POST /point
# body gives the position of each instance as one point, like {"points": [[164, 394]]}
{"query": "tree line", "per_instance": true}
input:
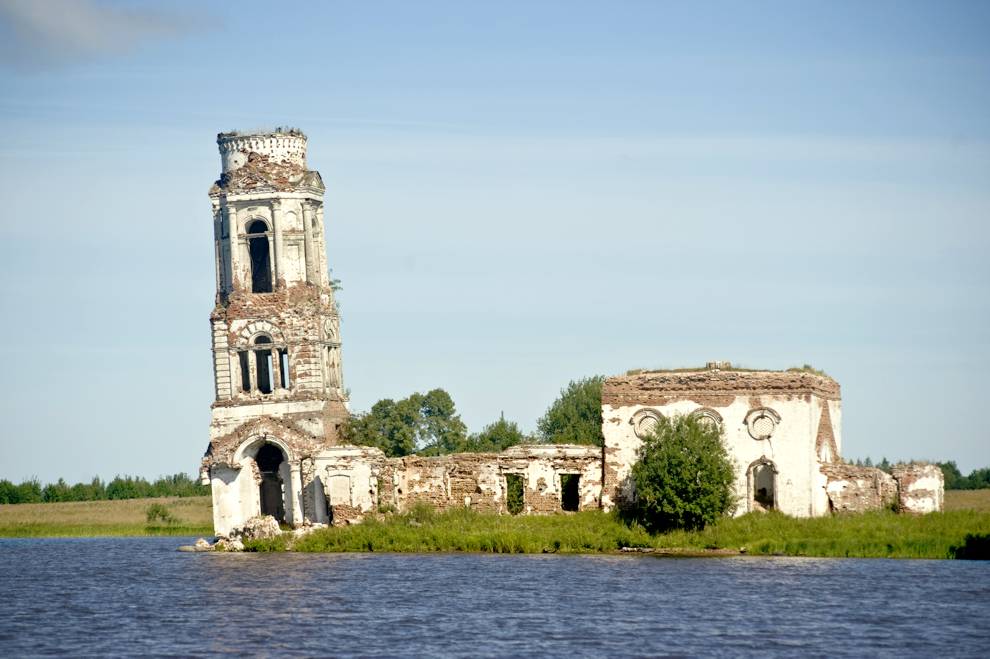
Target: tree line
{"points": [[121, 487], [428, 424], [978, 479]]}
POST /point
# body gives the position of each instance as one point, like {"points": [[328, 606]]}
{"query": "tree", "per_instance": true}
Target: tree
{"points": [[495, 437], [954, 480], [576, 416], [29, 491], [683, 477], [8, 492], [428, 422], [441, 430]]}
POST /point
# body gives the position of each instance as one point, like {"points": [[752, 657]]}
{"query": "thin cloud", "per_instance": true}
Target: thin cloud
{"points": [[52, 33]]}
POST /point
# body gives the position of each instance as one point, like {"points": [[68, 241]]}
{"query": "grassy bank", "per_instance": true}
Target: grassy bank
{"points": [[876, 534], [193, 516], [872, 535]]}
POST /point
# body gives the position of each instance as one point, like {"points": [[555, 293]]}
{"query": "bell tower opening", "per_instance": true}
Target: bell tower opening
{"points": [[269, 459], [261, 265]]}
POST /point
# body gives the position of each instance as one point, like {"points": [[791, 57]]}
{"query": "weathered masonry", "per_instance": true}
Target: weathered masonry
{"points": [[782, 430], [275, 446]]}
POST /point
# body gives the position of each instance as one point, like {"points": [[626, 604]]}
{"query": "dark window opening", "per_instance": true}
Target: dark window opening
{"points": [[283, 360], [245, 372], [261, 269], [514, 493], [764, 482], [263, 362], [569, 487], [269, 459]]}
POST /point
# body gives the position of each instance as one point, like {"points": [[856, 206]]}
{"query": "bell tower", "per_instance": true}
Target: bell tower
{"points": [[275, 326]]}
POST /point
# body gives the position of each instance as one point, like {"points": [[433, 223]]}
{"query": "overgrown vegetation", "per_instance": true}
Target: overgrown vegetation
{"points": [[870, 535], [121, 487], [158, 514], [808, 368], [683, 477], [576, 416], [428, 423], [496, 437]]}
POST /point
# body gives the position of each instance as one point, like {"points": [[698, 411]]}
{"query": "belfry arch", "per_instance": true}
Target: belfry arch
{"points": [[259, 251]]}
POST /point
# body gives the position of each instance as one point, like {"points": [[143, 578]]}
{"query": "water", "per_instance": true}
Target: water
{"points": [[138, 596]]}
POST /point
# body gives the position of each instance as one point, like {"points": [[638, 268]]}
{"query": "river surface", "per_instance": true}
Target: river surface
{"points": [[139, 596]]}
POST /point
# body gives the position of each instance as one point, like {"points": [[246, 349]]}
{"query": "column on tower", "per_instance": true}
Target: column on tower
{"points": [[321, 257], [218, 248], [277, 241], [309, 247], [233, 241]]}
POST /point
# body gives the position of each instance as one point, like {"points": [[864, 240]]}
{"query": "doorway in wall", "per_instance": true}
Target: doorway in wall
{"points": [[569, 488], [764, 480], [269, 459], [514, 493]]}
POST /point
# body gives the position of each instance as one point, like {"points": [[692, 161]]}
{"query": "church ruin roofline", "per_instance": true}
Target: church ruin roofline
{"points": [[263, 132], [716, 378]]}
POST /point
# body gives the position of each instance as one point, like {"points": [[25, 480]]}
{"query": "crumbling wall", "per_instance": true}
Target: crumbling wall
{"points": [[349, 478], [920, 487], [858, 489], [785, 419], [477, 480]]}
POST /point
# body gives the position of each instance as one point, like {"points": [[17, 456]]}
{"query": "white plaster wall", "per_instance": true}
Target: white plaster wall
{"points": [[277, 146], [309, 419], [923, 495], [226, 492], [361, 465], [790, 448]]}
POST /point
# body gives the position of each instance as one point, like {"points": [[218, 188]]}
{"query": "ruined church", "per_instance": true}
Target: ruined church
{"points": [[275, 446]]}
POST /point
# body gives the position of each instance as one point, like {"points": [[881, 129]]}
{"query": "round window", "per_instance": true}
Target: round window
{"points": [[762, 423], [708, 418], [645, 422]]}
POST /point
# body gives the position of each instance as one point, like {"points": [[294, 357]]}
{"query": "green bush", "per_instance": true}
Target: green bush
{"points": [[684, 477], [159, 514]]}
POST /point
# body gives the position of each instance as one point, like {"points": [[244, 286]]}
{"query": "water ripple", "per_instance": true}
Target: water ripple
{"points": [[117, 597]]}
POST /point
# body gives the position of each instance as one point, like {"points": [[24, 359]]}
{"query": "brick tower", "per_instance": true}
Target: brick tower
{"points": [[276, 332]]}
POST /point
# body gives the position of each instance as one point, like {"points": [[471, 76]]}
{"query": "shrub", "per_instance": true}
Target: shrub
{"points": [[158, 513], [683, 477]]}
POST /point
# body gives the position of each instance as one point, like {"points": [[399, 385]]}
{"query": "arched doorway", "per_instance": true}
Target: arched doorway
{"points": [[763, 485], [269, 459]]}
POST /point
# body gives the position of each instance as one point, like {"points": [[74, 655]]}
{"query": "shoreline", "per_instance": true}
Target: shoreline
{"points": [[958, 532]]}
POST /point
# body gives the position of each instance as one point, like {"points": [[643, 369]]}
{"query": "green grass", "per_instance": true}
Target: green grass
{"points": [[872, 535], [128, 517]]}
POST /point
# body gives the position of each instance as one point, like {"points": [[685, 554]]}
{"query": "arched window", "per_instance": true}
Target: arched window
{"points": [[263, 362], [261, 267]]}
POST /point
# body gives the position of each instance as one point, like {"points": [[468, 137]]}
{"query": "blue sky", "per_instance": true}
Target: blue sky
{"points": [[519, 194]]}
